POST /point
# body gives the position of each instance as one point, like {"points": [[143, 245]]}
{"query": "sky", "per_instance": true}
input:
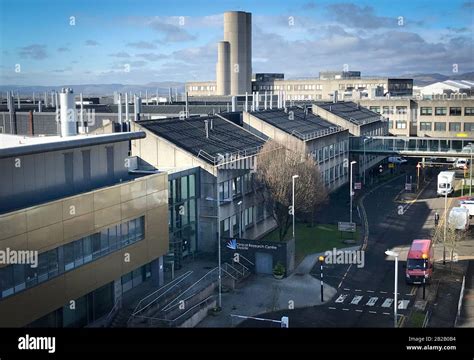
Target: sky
{"points": [[63, 42]]}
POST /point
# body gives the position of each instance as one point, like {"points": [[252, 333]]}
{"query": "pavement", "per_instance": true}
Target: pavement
{"points": [[466, 316]]}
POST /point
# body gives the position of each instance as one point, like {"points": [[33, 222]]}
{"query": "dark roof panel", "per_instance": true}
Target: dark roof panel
{"points": [[190, 134], [350, 111], [302, 125]]}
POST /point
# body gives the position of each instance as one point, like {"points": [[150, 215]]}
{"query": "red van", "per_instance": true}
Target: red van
{"points": [[420, 262]]}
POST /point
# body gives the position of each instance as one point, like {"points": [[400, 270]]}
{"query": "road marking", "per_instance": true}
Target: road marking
{"points": [[345, 309], [386, 313], [359, 310], [370, 291], [342, 280], [358, 290], [383, 292], [332, 308], [356, 299], [372, 301], [387, 303], [403, 304], [372, 312], [346, 289], [341, 298]]}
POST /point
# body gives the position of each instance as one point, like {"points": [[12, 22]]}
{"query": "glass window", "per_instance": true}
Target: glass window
{"points": [[375, 109], [401, 124], [125, 234], [43, 267], [19, 277], [87, 247], [425, 126], [68, 256], [260, 212], [184, 187], [132, 229], [53, 262], [440, 126], [469, 111], [426, 111], [31, 275], [96, 245], [192, 210], [455, 126], [192, 185], [235, 225], [440, 111], [78, 253], [401, 109], [6, 280], [468, 126], [455, 111], [140, 230]]}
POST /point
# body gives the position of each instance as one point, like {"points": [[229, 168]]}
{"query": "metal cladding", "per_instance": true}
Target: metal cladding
{"points": [[68, 112], [238, 34], [223, 68]]}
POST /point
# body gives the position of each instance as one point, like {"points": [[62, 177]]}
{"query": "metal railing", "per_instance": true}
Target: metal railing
{"points": [[113, 311], [200, 281], [167, 288]]}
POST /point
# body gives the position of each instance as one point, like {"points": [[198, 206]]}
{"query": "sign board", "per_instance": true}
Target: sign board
{"points": [[357, 186], [408, 187], [346, 226], [345, 163], [391, 165]]}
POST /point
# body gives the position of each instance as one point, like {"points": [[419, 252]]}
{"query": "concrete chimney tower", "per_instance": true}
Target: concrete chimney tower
{"points": [[223, 68], [238, 33]]}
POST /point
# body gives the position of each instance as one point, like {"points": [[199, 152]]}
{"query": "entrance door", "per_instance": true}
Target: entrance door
{"points": [[263, 263]]}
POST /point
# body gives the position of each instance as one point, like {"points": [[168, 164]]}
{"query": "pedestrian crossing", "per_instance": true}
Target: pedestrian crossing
{"points": [[371, 302]]}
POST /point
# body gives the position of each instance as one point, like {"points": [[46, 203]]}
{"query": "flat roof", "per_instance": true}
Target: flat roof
{"points": [[301, 126], [350, 111], [14, 145], [190, 134]]}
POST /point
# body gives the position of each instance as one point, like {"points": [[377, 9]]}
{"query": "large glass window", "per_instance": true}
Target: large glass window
{"points": [[78, 253], [440, 126], [426, 111], [469, 111], [425, 126], [468, 126], [68, 256], [192, 185], [87, 247], [184, 188], [455, 126], [440, 111], [455, 111]]}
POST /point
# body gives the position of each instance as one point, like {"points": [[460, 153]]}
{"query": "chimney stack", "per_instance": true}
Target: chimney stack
{"points": [[68, 112], [206, 126]]}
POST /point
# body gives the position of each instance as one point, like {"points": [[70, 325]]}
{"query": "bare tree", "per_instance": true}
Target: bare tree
{"points": [[275, 167], [453, 236]]}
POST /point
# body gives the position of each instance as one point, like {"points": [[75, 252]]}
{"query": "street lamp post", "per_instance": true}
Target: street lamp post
{"points": [[395, 295], [445, 217], [425, 256], [293, 178], [321, 260], [470, 172], [351, 192], [240, 218], [218, 244]]}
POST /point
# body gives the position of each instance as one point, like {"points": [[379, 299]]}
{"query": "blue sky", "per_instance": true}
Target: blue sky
{"points": [[58, 42]]}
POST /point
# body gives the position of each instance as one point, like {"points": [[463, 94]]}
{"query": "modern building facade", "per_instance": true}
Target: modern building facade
{"points": [[436, 117], [302, 131], [97, 227], [225, 155]]}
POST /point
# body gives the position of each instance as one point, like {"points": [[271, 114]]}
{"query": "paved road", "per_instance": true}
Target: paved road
{"points": [[364, 295]]}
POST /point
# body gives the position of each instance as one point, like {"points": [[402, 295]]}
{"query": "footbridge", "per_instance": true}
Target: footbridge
{"points": [[412, 146]]}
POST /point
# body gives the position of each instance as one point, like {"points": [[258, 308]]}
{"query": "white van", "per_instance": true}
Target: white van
{"points": [[397, 160], [459, 218], [468, 204], [445, 183]]}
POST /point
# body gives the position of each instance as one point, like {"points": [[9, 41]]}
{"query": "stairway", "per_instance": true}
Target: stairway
{"points": [[121, 317]]}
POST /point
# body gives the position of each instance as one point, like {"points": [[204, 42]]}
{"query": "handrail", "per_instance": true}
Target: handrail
{"points": [[170, 286], [243, 257], [113, 311], [188, 289]]}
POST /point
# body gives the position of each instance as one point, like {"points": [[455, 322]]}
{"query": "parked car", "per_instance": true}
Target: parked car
{"points": [[461, 163], [468, 203], [397, 160]]}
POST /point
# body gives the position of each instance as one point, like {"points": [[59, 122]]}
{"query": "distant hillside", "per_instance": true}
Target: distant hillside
{"points": [[100, 89], [427, 79]]}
